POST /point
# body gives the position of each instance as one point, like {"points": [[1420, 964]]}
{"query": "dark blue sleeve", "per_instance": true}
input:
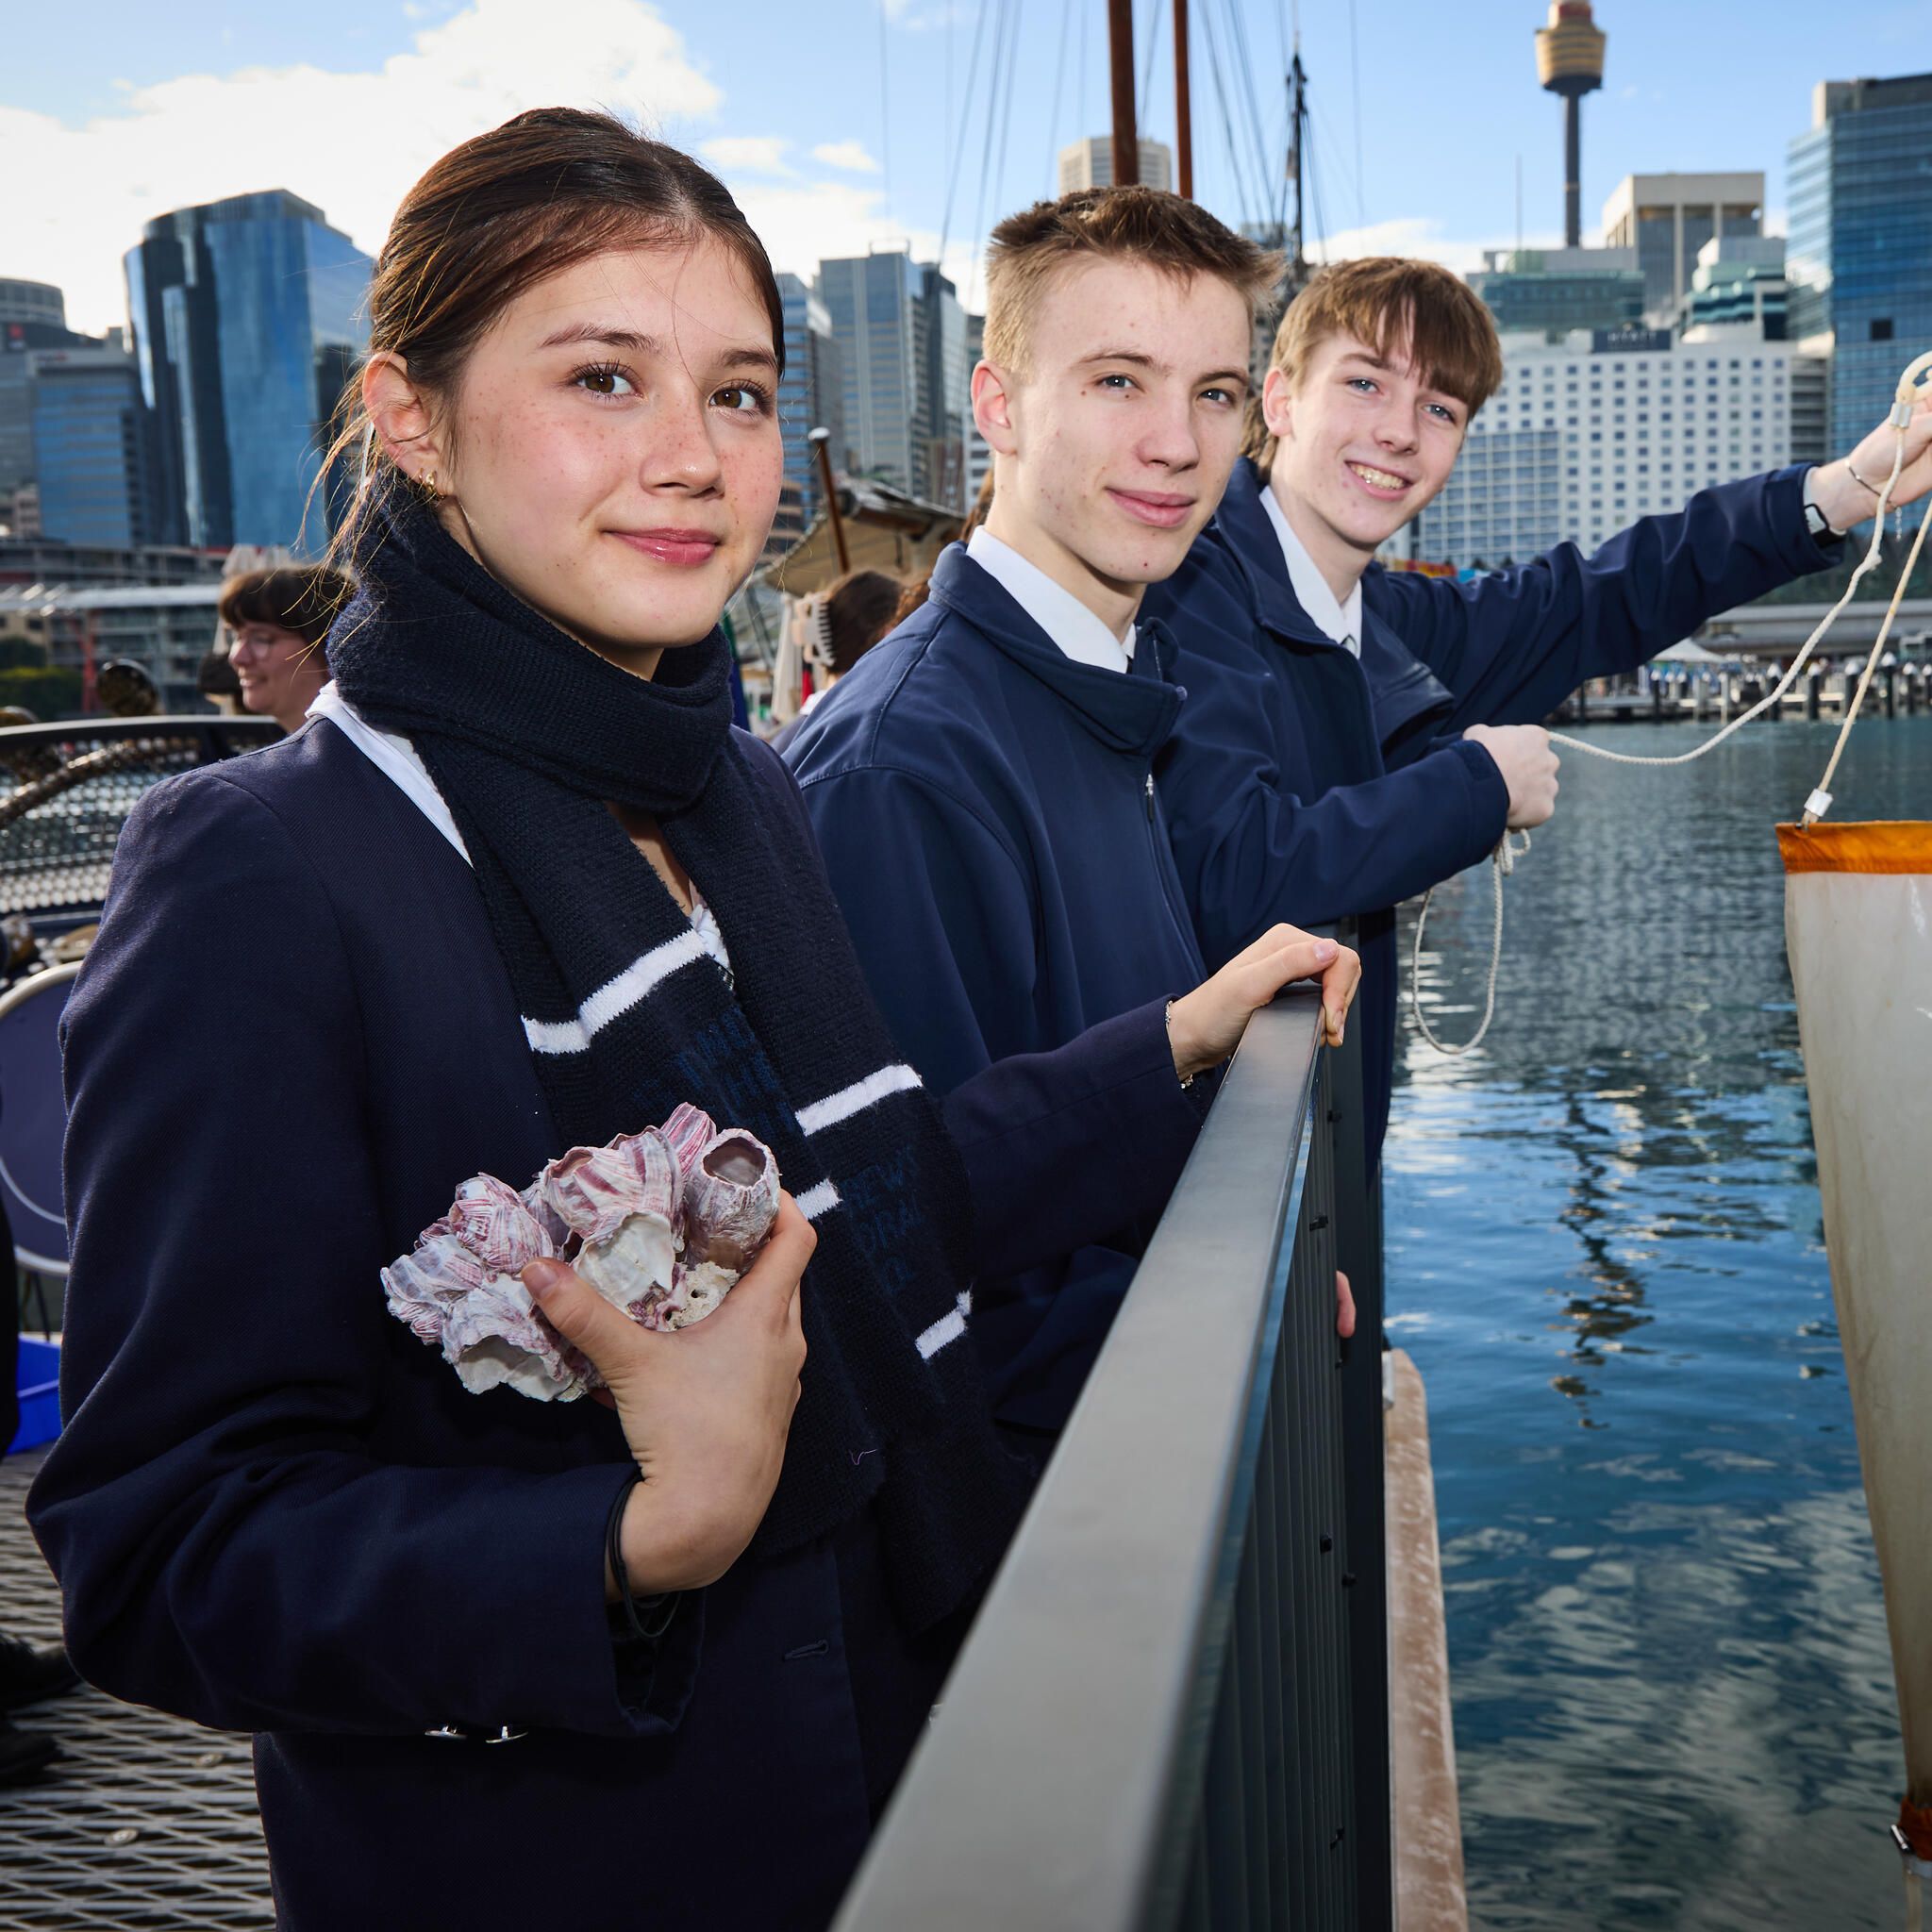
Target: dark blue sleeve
{"points": [[1251, 850], [1062, 1147], [229, 1546], [1515, 645]]}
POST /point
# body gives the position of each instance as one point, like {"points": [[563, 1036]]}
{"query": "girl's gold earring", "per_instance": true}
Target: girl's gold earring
{"points": [[429, 482]]}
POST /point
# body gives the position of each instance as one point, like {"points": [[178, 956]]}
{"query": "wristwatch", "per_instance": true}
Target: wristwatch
{"points": [[1815, 521]]}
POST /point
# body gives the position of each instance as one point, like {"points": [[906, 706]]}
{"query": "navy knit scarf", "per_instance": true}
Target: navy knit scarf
{"points": [[527, 734]]}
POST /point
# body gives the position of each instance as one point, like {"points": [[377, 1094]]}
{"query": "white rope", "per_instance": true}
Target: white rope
{"points": [[1867, 564], [1820, 801], [1502, 862]]}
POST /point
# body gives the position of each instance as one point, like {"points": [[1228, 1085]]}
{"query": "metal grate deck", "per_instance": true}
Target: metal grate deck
{"points": [[144, 1821]]}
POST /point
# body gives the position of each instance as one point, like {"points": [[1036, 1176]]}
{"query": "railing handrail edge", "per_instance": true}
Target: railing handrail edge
{"points": [[1115, 1552]]}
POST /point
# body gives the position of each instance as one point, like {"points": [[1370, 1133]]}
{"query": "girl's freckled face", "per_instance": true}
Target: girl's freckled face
{"points": [[616, 456]]}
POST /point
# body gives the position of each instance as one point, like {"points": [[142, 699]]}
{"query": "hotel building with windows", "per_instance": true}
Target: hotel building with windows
{"points": [[1601, 427]]}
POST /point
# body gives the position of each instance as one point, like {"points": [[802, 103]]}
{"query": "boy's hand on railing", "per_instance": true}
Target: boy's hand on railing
{"points": [[1207, 1024], [705, 1411]]}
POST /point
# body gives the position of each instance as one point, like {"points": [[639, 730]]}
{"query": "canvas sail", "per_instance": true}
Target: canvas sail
{"points": [[1858, 928]]}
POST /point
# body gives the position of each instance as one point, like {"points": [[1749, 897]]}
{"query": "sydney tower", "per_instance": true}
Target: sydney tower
{"points": [[1569, 61]]}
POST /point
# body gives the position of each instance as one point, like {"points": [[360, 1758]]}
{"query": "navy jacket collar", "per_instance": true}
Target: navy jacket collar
{"points": [[1132, 711], [1406, 696]]}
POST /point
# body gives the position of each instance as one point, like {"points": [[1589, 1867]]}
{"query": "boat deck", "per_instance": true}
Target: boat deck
{"points": [[144, 1821]]}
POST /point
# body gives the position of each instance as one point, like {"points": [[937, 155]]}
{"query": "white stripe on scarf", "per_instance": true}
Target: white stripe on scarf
{"points": [[854, 1099], [949, 1328], [615, 997], [818, 1200]]}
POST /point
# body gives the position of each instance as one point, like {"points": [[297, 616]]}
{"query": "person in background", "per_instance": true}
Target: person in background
{"points": [[982, 783], [1353, 736], [278, 619], [852, 616]]}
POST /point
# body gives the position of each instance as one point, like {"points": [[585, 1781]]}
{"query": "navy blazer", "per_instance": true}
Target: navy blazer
{"points": [[1306, 785], [273, 1510], [986, 811]]}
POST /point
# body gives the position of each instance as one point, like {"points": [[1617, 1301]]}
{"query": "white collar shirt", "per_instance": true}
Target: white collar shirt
{"points": [[1079, 633], [1341, 621]]}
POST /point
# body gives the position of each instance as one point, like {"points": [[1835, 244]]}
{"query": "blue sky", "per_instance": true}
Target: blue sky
{"points": [[144, 107]]}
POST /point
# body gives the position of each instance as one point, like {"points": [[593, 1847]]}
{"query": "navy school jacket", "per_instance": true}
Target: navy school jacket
{"points": [[275, 1510], [986, 811], [1302, 785]]}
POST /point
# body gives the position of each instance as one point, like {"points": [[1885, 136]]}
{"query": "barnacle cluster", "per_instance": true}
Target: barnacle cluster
{"points": [[660, 1224]]}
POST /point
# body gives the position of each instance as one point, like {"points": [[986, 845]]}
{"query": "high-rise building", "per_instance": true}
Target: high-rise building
{"points": [[1859, 253], [38, 302], [1588, 433], [1556, 289], [945, 412], [90, 445], [1739, 278], [978, 453], [33, 315], [1090, 164], [248, 318], [809, 398], [1668, 218], [872, 303]]}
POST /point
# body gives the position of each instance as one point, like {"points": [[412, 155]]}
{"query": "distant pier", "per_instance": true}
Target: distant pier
{"points": [[1665, 697]]}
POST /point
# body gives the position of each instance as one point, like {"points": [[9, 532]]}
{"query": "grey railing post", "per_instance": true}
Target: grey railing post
{"points": [[1359, 1252]]}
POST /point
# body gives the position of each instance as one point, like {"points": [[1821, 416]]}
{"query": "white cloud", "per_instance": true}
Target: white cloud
{"points": [[350, 141], [747, 154], [845, 153]]}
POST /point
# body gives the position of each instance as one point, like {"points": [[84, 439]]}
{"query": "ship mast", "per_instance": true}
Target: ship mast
{"points": [[1120, 54]]}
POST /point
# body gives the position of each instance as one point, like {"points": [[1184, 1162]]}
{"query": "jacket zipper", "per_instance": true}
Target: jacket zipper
{"points": [[1163, 865]]}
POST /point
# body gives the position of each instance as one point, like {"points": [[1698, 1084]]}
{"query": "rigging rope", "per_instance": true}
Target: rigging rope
{"points": [[965, 116], [1917, 380]]}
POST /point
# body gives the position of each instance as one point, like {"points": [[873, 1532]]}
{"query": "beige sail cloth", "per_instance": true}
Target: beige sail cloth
{"points": [[1858, 929]]}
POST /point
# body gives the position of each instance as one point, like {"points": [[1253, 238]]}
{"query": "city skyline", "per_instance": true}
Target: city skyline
{"points": [[193, 108]]}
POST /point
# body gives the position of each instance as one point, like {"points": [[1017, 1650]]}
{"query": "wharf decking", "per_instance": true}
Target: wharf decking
{"points": [[145, 1822]]}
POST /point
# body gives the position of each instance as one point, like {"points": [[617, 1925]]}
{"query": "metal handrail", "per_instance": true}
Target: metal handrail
{"points": [[1127, 1739]]}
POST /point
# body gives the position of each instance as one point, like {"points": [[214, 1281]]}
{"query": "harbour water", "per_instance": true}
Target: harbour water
{"points": [[1672, 1693]]}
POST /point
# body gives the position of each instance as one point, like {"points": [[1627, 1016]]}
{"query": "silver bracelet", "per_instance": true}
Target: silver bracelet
{"points": [[1187, 1080], [1856, 478]]}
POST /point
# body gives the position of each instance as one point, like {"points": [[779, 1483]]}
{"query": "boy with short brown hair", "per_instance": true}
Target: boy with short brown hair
{"points": [[982, 782], [1354, 736]]}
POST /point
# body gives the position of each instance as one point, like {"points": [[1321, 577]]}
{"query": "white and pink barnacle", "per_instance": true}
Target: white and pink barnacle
{"points": [[495, 1337], [688, 1132], [496, 1225], [731, 1200], [635, 1266], [593, 1190]]}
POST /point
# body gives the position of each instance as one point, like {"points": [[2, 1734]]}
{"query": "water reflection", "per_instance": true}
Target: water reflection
{"points": [[1673, 1699]]}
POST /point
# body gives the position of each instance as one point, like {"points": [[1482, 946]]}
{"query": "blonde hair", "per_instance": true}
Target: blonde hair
{"points": [[1167, 231], [1391, 304]]}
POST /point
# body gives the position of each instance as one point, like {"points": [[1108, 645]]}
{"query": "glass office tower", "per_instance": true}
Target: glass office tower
{"points": [[809, 398], [90, 439], [872, 301], [1858, 259], [248, 316]]}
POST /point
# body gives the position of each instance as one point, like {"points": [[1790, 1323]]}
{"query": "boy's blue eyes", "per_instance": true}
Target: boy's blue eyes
{"points": [[1125, 382], [1361, 384]]}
